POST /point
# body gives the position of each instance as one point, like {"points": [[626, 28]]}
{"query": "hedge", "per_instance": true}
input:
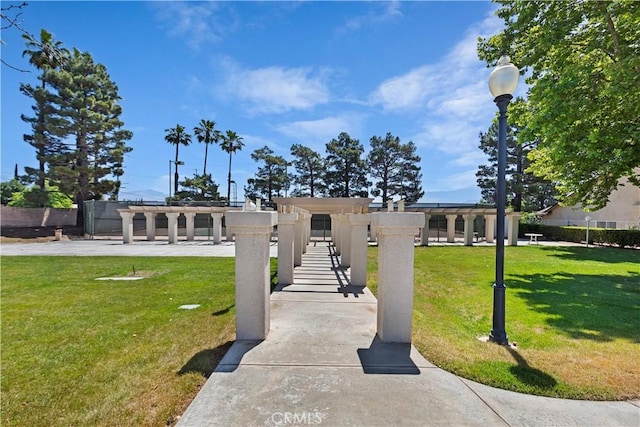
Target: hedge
{"points": [[598, 236]]}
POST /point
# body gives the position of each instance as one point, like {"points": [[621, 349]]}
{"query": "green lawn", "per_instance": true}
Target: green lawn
{"points": [[573, 312], [76, 351]]}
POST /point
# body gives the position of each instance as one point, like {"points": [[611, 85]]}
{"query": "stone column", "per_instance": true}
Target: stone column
{"points": [[286, 236], [217, 227], [396, 233], [513, 222], [333, 228], [345, 252], [424, 235], [190, 216], [150, 222], [339, 233], [297, 240], [305, 231], [253, 232], [359, 223], [468, 229], [127, 225], [490, 227], [451, 228], [172, 218]]}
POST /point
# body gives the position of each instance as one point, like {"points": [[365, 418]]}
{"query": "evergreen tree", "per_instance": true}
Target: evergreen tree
{"points": [[309, 166], [45, 54], [396, 167], [86, 121], [346, 174], [525, 191], [271, 178], [199, 188]]}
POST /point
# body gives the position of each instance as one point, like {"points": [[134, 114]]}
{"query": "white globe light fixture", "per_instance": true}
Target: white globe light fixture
{"points": [[502, 83]]}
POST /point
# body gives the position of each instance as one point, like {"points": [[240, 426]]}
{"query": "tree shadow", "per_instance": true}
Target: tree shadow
{"points": [[606, 255], [595, 307], [206, 361], [528, 375]]}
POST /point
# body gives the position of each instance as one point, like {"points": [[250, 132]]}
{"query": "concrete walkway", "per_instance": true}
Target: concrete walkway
{"points": [[322, 365]]}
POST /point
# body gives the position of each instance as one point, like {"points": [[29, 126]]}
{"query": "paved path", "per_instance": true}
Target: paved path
{"points": [[322, 365]]}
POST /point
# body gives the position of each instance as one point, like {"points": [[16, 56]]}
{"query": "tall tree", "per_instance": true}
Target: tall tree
{"points": [[231, 142], [271, 177], [396, 169], [86, 119], [177, 136], [206, 132], [525, 191], [346, 170], [45, 54], [583, 63], [309, 166]]}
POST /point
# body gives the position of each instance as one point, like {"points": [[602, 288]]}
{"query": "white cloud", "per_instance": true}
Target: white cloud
{"points": [[275, 89], [196, 22], [382, 12], [316, 133]]}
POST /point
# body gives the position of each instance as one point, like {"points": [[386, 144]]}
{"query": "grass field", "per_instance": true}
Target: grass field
{"points": [[573, 312], [77, 351]]}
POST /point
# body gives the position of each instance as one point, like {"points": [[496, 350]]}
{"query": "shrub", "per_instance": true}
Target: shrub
{"points": [[600, 236]]}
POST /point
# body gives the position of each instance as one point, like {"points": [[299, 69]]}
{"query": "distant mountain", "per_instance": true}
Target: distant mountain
{"points": [[143, 195]]}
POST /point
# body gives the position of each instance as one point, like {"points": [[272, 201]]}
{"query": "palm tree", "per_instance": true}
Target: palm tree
{"points": [[177, 136], [206, 132], [231, 143], [45, 55]]}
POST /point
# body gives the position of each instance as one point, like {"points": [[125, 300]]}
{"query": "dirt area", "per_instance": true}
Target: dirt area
{"points": [[38, 234]]}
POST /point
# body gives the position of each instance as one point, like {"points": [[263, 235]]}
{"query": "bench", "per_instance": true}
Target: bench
{"points": [[533, 237]]}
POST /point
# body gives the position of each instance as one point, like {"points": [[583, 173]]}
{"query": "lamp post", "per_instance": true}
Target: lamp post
{"points": [[588, 219], [502, 83]]}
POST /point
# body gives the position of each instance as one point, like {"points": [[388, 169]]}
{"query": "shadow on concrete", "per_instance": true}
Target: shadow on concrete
{"points": [[206, 361], [387, 358]]}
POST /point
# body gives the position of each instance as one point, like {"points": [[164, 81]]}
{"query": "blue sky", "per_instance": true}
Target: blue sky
{"points": [[277, 73]]}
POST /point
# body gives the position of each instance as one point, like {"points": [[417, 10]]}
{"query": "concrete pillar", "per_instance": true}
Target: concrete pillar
{"points": [[297, 241], [513, 222], [172, 218], [424, 235], [127, 225], [253, 232], [468, 229], [333, 229], [345, 253], [286, 236], [150, 222], [396, 233], [217, 227], [190, 216], [490, 227], [451, 228], [339, 233], [359, 223], [305, 231]]}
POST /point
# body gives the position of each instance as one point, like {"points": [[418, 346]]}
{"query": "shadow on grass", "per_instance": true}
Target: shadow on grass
{"points": [[595, 307], [606, 255], [223, 311], [528, 375], [206, 361]]}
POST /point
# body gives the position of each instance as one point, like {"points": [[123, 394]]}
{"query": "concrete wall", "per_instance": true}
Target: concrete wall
{"points": [[36, 217], [623, 209]]}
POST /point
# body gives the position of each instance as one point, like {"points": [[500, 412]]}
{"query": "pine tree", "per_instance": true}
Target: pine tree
{"points": [[86, 121], [346, 170], [271, 178], [396, 167], [309, 166]]}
